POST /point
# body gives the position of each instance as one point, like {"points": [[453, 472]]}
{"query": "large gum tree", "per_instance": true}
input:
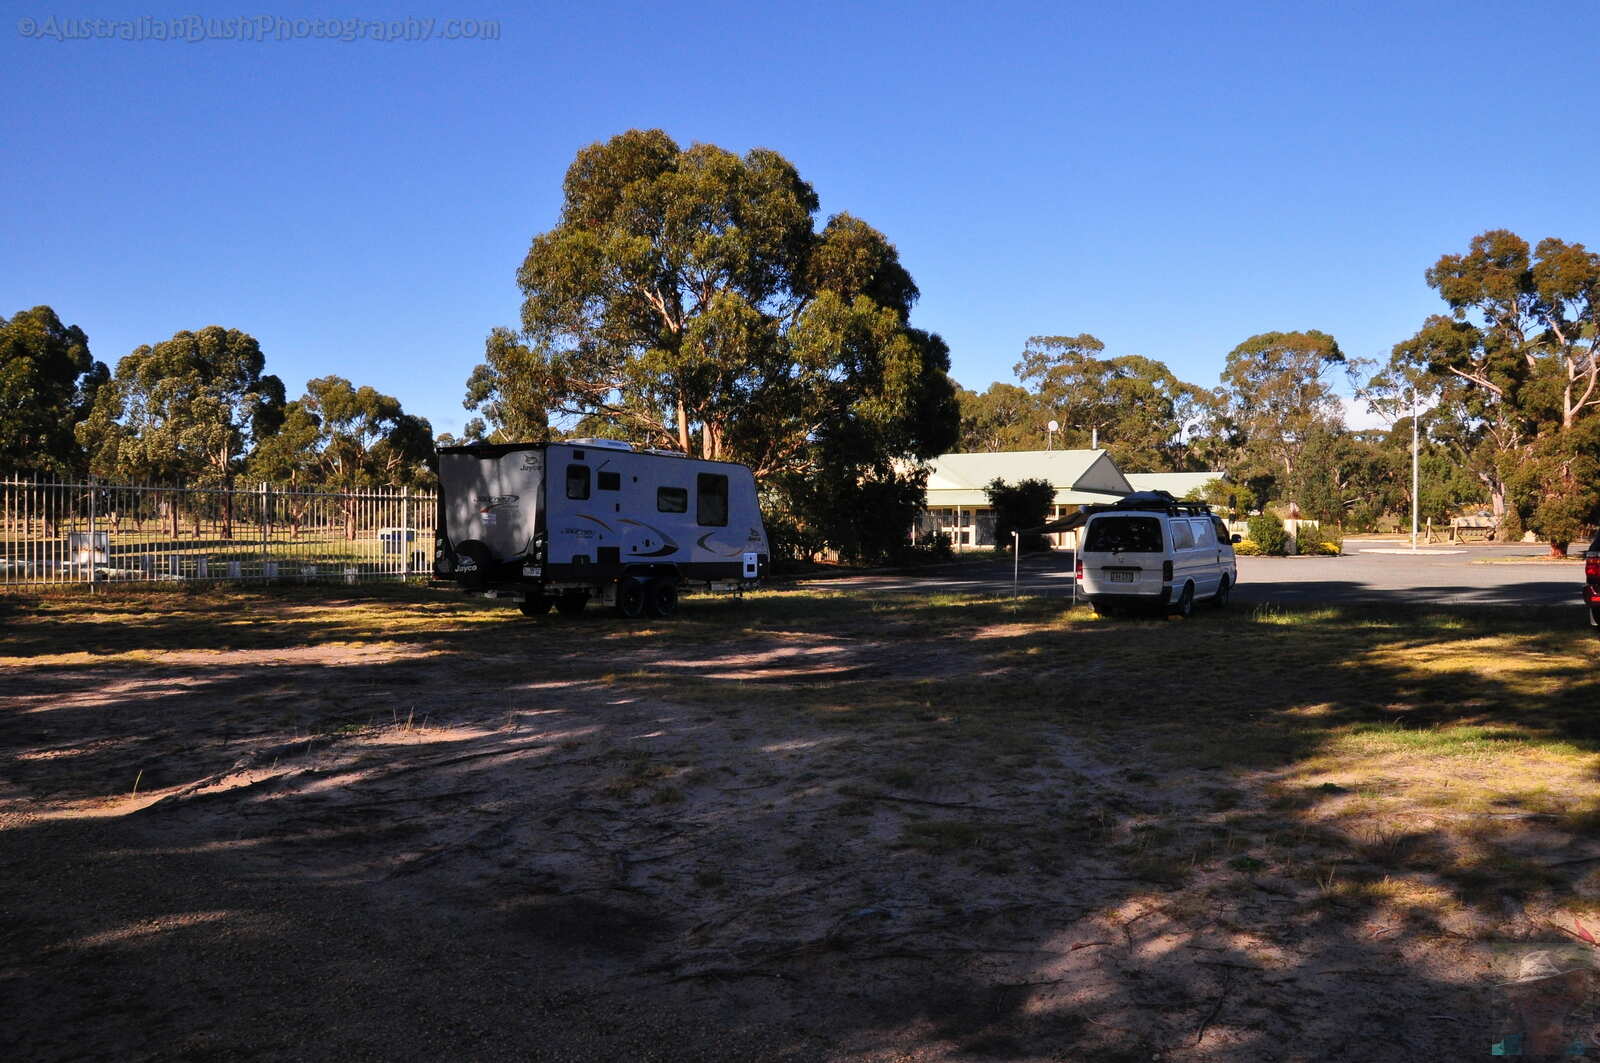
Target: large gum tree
{"points": [[687, 299]]}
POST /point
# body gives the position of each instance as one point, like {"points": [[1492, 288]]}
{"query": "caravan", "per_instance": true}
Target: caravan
{"points": [[593, 519]]}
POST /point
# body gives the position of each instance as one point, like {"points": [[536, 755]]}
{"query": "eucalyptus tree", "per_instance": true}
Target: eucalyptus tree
{"points": [[48, 381], [1522, 345], [1280, 397], [342, 438], [1133, 406], [185, 410], [686, 299]]}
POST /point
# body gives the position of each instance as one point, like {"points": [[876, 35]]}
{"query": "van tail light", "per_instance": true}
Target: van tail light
{"points": [[1166, 571], [1078, 572]]}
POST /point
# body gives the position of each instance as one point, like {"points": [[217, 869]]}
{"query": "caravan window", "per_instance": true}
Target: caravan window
{"points": [[711, 500], [608, 481], [577, 481], [672, 500]]}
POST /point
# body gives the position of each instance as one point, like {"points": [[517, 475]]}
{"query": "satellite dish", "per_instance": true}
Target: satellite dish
{"points": [[1052, 426]]}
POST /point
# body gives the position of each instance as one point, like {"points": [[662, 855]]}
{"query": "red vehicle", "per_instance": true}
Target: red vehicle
{"points": [[1591, 581]]}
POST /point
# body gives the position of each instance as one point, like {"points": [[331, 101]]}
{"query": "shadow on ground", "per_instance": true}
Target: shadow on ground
{"points": [[794, 827]]}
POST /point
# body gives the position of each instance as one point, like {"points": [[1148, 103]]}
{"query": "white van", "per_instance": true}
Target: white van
{"points": [[1151, 552]]}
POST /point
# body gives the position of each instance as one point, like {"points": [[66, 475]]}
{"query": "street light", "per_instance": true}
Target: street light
{"points": [[1414, 476]]}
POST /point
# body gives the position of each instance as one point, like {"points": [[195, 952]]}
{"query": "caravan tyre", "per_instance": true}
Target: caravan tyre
{"points": [[571, 605], [630, 599], [662, 599]]}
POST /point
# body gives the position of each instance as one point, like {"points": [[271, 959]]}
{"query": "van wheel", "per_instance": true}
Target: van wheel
{"points": [[1185, 604], [630, 599], [571, 605], [1594, 616], [1224, 592], [536, 605], [1107, 611], [661, 599]]}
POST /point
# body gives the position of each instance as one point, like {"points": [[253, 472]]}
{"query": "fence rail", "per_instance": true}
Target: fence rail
{"points": [[92, 532]]}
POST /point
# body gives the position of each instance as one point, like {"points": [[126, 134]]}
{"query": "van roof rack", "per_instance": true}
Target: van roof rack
{"points": [[1153, 501]]}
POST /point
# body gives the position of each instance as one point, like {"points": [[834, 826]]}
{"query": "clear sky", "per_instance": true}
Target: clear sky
{"points": [[1172, 177]]}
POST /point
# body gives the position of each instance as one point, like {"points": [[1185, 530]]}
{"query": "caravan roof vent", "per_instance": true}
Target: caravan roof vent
{"points": [[600, 444]]}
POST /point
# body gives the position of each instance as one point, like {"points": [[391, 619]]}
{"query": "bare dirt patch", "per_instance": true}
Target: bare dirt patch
{"points": [[797, 827]]}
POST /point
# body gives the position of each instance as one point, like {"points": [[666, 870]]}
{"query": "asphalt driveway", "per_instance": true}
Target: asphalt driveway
{"points": [[1371, 571]]}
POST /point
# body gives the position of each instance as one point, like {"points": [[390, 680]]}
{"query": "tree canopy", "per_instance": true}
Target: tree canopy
{"points": [[48, 381], [345, 438], [1515, 371], [188, 408], [687, 300]]}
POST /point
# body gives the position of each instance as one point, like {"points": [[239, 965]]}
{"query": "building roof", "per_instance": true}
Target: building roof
{"points": [[1176, 484], [1080, 477]]}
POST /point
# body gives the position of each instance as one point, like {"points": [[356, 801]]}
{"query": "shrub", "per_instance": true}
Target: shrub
{"points": [[927, 550], [1247, 547], [1024, 505], [1320, 547], [1266, 530]]}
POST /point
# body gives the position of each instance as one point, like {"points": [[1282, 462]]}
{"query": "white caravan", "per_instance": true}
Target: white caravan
{"points": [[562, 523]]}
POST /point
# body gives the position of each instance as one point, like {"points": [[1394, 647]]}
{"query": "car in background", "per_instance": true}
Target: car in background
{"points": [[1150, 552], [1591, 581]]}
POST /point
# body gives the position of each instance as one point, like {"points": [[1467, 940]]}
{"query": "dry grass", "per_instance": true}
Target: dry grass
{"points": [[1429, 770]]}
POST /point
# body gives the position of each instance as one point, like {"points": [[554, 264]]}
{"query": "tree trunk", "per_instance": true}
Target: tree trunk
{"points": [[349, 505]]}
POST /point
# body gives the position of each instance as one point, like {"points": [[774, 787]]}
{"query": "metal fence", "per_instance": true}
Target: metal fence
{"points": [[93, 532]]}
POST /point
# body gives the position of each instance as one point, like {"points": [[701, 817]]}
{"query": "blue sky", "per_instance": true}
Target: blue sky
{"points": [[1172, 177]]}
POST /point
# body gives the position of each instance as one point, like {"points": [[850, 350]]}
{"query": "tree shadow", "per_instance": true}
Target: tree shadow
{"points": [[982, 835]]}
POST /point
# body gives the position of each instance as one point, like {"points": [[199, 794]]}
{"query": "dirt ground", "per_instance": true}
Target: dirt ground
{"points": [[797, 827]]}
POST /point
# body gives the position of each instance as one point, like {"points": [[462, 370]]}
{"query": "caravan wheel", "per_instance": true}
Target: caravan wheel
{"points": [[662, 599], [630, 599]]}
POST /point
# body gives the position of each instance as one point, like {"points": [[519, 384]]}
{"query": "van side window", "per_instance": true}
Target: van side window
{"points": [[1182, 535], [1203, 535], [1221, 529], [672, 500], [711, 500], [577, 481], [608, 481]]}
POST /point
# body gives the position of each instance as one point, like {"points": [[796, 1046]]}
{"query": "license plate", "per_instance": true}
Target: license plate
{"points": [[1121, 576]]}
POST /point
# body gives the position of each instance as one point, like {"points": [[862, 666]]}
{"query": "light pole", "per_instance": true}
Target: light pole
{"points": [[1414, 475]]}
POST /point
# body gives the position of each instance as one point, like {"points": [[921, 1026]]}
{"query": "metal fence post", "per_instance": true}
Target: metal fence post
{"points": [[405, 532], [264, 528], [91, 535]]}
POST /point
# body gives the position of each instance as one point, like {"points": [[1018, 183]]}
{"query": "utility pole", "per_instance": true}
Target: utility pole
{"points": [[1414, 476]]}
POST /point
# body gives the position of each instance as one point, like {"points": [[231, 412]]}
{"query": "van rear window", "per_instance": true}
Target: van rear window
{"points": [[1133, 535]]}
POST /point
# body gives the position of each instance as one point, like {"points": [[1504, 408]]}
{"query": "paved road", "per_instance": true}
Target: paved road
{"points": [[1369, 572]]}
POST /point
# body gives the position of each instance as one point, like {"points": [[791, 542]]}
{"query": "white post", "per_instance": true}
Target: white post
{"points": [[1016, 559], [1414, 476]]}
